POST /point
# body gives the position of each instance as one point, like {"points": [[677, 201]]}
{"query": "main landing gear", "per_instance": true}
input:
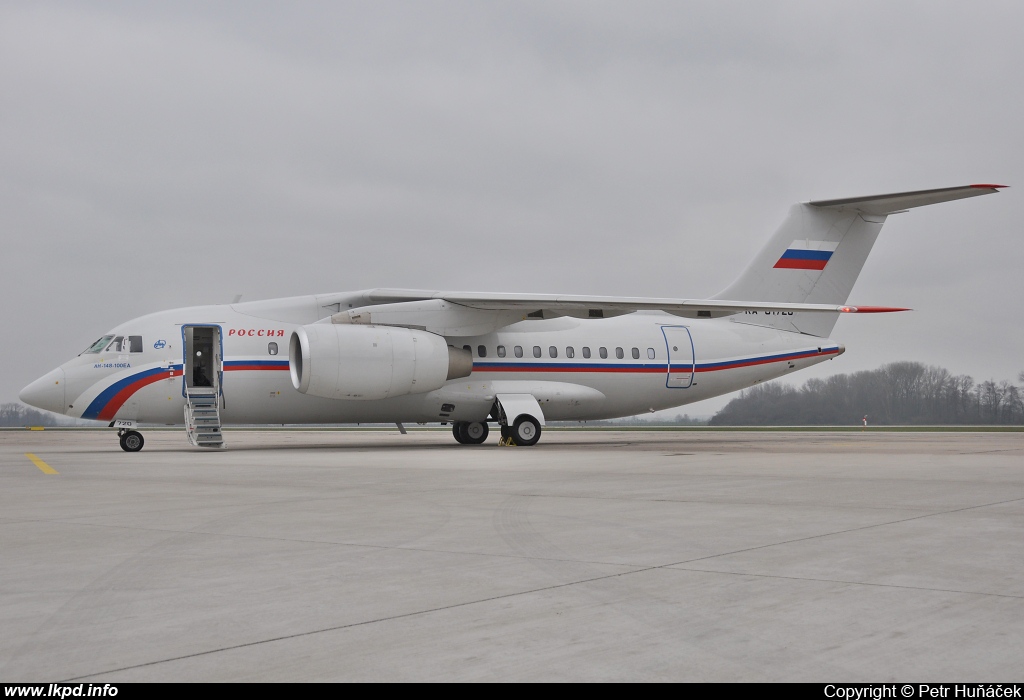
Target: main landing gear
{"points": [[524, 432], [470, 433], [131, 440]]}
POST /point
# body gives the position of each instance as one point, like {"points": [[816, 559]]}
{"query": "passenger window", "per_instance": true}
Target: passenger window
{"points": [[271, 348], [569, 352], [536, 351], [636, 353], [135, 343], [553, 351], [116, 344], [518, 350], [468, 348], [501, 351], [650, 353], [619, 354], [481, 350], [586, 353], [603, 352]]}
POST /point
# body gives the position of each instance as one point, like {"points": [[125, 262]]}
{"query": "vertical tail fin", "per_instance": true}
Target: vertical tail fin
{"points": [[819, 250]]}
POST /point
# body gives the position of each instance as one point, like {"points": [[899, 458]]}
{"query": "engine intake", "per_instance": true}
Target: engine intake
{"points": [[371, 362]]}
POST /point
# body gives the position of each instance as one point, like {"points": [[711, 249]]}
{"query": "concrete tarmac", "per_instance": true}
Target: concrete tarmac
{"points": [[687, 556]]}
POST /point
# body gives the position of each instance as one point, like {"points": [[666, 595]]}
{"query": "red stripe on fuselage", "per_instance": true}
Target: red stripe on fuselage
{"points": [[120, 397], [661, 369], [767, 360], [616, 370], [235, 368], [124, 394]]}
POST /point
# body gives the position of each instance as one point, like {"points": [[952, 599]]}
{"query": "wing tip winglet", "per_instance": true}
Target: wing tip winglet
{"points": [[989, 187], [871, 309]]}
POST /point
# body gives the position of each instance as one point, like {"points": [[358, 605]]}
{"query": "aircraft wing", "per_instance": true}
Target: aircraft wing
{"points": [[474, 313], [578, 305]]}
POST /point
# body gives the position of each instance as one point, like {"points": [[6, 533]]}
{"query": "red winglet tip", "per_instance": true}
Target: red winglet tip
{"points": [[989, 187], [873, 309]]}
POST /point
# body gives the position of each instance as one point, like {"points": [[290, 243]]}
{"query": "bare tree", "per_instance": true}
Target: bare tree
{"points": [[904, 393]]}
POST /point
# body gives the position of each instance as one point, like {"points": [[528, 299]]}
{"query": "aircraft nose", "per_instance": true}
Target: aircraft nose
{"points": [[47, 392]]}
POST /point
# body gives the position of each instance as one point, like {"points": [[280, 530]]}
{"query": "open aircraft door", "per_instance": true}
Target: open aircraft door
{"points": [[203, 357], [203, 383], [680, 357]]}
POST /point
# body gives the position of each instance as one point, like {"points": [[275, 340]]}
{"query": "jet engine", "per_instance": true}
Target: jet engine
{"points": [[371, 362]]}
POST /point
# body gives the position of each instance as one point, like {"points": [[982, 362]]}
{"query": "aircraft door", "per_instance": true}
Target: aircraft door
{"points": [[203, 357], [680, 357]]}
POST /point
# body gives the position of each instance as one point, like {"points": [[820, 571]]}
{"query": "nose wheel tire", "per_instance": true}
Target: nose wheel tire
{"points": [[132, 441], [526, 431]]}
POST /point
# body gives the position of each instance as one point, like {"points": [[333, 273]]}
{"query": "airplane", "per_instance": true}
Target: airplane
{"points": [[473, 360]]}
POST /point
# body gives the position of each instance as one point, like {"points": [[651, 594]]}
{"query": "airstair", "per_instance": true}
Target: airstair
{"points": [[202, 416]]}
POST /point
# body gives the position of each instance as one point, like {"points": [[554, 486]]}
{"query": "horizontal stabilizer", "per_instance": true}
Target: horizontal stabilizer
{"points": [[882, 204]]}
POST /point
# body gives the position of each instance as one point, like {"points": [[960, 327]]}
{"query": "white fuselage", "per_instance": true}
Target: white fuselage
{"points": [[632, 377]]}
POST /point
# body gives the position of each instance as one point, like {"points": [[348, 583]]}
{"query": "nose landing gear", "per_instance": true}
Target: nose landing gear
{"points": [[131, 440]]}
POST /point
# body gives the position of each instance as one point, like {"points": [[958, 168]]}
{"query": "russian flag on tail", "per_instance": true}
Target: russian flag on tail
{"points": [[807, 255]]}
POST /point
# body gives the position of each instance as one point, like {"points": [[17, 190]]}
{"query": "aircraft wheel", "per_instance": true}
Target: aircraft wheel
{"points": [[474, 433], [506, 431], [526, 431], [457, 428], [132, 441]]}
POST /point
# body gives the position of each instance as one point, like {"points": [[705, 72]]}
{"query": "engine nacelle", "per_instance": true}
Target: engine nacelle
{"points": [[371, 362]]}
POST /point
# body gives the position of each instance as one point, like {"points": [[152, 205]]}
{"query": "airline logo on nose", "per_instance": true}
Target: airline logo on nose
{"points": [[807, 255]]}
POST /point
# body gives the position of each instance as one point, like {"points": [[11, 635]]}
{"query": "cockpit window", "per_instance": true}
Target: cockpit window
{"points": [[116, 344], [98, 345]]}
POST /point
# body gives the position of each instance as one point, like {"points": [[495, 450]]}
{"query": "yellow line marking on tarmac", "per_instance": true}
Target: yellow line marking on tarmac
{"points": [[43, 466]]}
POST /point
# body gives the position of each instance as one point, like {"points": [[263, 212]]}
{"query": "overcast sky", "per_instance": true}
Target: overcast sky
{"points": [[155, 156]]}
